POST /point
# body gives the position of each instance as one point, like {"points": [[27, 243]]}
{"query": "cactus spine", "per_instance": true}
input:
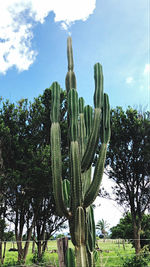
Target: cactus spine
{"points": [[87, 127]]}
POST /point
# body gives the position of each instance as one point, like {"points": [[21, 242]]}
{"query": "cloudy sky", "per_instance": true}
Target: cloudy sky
{"points": [[33, 37]]}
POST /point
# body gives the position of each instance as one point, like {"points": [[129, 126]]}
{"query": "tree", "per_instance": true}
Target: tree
{"points": [[128, 159], [101, 226], [124, 229], [25, 180]]}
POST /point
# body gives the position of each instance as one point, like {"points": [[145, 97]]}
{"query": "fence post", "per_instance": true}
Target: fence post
{"points": [[62, 245]]}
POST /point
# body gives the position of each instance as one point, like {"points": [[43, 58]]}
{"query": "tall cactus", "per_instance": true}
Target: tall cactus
{"points": [[87, 128]]}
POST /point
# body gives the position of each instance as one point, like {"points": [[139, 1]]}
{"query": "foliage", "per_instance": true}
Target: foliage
{"points": [[37, 259], [141, 260], [124, 229], [129, 163], [101, 226], [25, 179]]}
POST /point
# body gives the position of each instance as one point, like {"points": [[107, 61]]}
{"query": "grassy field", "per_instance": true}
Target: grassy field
{"points": [[111, 254]]}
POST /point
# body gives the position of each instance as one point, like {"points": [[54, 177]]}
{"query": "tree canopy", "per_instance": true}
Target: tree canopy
{"points": [[124, 229], [25, 173], [128, 159]]}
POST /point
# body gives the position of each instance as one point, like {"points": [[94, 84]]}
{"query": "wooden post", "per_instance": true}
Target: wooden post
{"points": [[62, 245], [123, 244]]}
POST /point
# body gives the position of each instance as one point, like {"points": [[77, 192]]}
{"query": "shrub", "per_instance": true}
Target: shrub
{"points": [[141, 260]]}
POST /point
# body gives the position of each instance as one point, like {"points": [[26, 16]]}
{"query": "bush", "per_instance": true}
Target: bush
{"points": [[36, 259], [141, 260]]}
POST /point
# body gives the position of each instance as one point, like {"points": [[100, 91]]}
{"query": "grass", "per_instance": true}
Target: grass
{"points": [[111, 254]]}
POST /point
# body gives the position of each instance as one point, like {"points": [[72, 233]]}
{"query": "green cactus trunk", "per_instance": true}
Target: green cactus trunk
{"points": [[81, 256], [88, 128]]}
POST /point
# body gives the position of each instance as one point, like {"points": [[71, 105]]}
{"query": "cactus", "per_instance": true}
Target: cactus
{"points": [[87, 127], [70, 258]]}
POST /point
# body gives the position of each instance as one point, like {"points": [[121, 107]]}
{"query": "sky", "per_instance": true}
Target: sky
{"points": [[33, 37], [105, 209], [33, 48]]}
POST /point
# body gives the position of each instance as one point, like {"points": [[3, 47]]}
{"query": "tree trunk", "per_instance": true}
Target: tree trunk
{"points": [[33, 247], [2, 251], [137, 230], [39, 245], [44, 246], [33, 243], [20, 249], [29, 233]]}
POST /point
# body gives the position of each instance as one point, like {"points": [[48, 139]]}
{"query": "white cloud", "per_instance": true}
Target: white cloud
{"points": [[147, 69], [129, 80], [17, 20]]}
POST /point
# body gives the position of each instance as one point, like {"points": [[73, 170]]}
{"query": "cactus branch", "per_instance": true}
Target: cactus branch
{"points": [[93, 189], [70, 77]]}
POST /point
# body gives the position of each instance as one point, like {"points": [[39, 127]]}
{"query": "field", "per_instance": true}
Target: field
{"points": [[111, 254]]}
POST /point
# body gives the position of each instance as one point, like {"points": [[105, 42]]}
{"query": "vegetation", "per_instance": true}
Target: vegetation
{"points": [[129, 164], [101, 226], [25, 174], [74, 196], [124, 229], [140, 260], [28, 137], [111, 253]]}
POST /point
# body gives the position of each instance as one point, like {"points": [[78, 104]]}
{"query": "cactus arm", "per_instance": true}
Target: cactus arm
{"points": [[74, 149], [66, 192], [75, 176], [56, 152], [92, 142], [70, 54], [82, 138], [81, 256], [105, 129], [93, 189], [98, 173], [73, 110], [92, 227], [88, 118], [56, 168], [98, 77], [80, 236], [81, 127], [84, 130], [70, 77], [91, 235], [98, 103], [80, 224], [70, 258]]}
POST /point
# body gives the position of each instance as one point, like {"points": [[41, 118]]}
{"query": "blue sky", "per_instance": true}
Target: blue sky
{"points": [[33, 37]]}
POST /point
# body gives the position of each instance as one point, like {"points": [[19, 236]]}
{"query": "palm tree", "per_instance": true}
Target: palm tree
{"points": [[101, 226]]}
